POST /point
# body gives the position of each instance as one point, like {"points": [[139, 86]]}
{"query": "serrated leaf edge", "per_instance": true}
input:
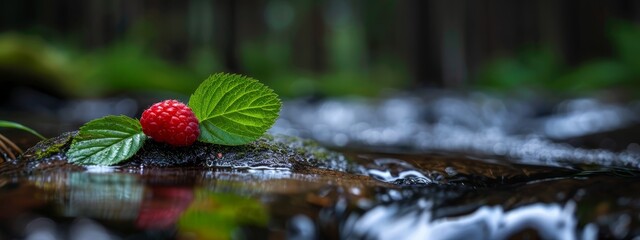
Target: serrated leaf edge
{"points": [[137, 140], [198, 104]]}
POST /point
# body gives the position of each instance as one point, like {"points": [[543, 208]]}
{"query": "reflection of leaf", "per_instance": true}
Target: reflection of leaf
{"points": [[217, 215], [111, 196]]}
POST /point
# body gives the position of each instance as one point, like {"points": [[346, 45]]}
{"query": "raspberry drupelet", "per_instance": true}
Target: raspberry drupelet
{"points": [[170, 122]]}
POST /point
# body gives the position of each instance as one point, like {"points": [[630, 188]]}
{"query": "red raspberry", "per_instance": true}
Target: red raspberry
{"points": [[170, 122]]}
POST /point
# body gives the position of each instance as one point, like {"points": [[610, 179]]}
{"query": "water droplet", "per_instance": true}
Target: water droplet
{"points": [[355, 191], [301, 227], [210, 163]]}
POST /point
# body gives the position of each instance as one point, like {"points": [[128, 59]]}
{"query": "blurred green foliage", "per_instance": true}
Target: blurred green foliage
{"points": [[338, 62], [123, 66], [347, 68], [534, 71], [29, 57], [271, 63], [128, 65]]}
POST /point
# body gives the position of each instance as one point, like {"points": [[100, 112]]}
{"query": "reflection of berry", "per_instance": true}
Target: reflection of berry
{"points": [[170, 122], [163, 206]]}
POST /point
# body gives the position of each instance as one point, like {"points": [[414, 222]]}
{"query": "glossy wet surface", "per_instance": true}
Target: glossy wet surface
{"points": [[444, 166], [390, 196]]}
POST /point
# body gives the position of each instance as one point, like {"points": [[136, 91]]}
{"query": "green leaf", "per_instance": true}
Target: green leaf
{"points": [[106, 141], [233, 109], [8, 124]]}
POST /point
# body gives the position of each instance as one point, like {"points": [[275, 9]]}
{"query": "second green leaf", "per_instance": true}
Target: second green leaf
{"points": [[233, 109]]}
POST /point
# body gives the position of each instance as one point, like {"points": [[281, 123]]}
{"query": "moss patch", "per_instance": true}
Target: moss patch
{"points": [[49, 147]]}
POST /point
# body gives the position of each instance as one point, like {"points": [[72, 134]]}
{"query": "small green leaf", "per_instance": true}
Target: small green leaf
{"points": [[106, 141], [233, 109], [8, 124]]}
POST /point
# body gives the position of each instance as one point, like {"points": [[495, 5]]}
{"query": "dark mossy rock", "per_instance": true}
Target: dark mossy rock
{"points": [[268, 152], [271, 152], [47, 154]]}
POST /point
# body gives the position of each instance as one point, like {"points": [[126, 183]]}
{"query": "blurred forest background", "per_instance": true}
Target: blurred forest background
{"points": [[339, 47]]}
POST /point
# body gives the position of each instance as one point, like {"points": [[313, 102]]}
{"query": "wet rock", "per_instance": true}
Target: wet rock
{"points": [[449, 169], [268, 152], [47, 154]]}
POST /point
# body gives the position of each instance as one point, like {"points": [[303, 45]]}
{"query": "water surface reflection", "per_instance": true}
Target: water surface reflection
{"points": [[387, 196], [416, 221]]}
